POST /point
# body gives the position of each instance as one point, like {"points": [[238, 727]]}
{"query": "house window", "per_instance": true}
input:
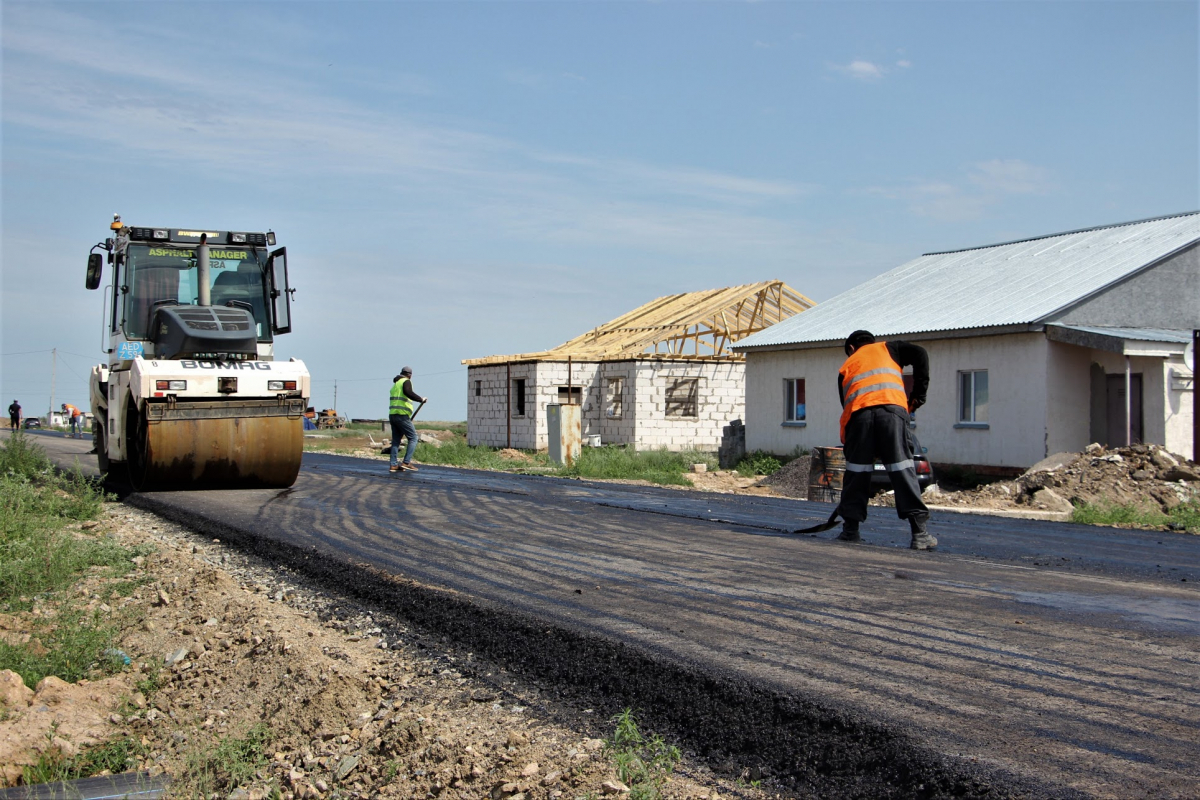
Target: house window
{"points": [[478, 388], [973, 396], [794, 409], [612, 398], [518, 397], [570, 395], [682, 399]]}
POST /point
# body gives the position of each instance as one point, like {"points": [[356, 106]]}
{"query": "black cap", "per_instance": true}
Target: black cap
{"points": [[859, 338], [406, 371]]}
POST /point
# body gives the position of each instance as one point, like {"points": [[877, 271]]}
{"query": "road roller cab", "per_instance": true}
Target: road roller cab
{"points": [[191, 395]]}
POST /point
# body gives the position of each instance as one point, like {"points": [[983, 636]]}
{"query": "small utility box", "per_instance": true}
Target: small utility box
{"points": [[564, 426]]}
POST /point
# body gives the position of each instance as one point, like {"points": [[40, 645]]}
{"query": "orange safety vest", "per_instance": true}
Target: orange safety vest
{"points": [[870, 377]]}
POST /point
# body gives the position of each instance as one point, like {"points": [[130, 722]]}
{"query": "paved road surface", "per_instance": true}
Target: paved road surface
{"points": [[1023, 658]]}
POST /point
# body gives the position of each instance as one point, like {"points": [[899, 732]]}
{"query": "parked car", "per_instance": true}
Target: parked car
{"points": [[880, 480], [31, 422]]}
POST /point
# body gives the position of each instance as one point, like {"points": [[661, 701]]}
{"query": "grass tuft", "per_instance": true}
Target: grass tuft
{"points": [[231, 762], [1183, 517], [643, 762]]}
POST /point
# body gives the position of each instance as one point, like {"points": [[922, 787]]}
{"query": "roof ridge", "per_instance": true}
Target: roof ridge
{"points": [[1063, 233]]}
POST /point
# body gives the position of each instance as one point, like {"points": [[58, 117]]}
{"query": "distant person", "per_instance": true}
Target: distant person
{"points": [[400, 414], [14, 415], [74, 418], [875, 410]]}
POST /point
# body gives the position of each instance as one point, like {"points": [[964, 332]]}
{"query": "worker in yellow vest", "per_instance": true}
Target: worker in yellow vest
{"points": [[400, 414], [875, 413]]}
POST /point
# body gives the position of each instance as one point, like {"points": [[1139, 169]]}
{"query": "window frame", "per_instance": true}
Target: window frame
{"points": [[517, 397], [614, 400], [790, 417], [676, 408], [968, 396]]}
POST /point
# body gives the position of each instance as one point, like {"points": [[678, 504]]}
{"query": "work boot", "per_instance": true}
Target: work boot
{"points": [[921, 539], [849, 532]]}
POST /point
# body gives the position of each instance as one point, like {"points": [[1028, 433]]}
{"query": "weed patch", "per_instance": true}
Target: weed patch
{"points": [[230, 763], [1184, 517], [643, 762]]}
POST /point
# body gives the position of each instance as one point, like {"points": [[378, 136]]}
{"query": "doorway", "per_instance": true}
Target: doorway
{"points": [[1116, 409]]}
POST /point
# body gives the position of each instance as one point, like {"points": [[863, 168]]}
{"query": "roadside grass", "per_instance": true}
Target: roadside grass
{"points": [[114, 756], [1184, 517], [41, 561], [643, 762], [230, 762], [758, 463], [607, 463]]}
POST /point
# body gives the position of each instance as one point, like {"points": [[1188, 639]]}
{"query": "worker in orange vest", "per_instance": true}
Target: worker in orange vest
{"points": [[74, 417], [875, 412]]}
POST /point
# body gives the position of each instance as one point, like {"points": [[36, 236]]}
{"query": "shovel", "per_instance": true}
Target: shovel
{"points": [[825, 525]]}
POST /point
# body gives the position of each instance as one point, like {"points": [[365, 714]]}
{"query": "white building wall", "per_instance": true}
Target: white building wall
{"points": [[1016, 431], [720, 400], [642, 422], [1069, 394], [1178, 385]]}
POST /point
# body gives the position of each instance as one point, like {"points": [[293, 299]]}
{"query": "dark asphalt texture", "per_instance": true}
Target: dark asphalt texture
{"points": [[1022, 659]]}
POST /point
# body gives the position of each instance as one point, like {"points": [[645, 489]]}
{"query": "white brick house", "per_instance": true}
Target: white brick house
{"points": [[1036, 347], [661, 376]]}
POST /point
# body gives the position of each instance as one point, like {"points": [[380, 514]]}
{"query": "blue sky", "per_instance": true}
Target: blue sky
{"points": [[454, 180]]}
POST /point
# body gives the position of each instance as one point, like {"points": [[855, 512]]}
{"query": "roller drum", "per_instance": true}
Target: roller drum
{"points": [[217, 451]]}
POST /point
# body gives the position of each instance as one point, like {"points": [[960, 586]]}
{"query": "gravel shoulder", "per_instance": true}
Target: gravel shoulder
{"points": [[358, 703]]}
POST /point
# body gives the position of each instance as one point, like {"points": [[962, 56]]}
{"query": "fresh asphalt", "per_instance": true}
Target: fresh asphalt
{"points": [[1022, 658]]}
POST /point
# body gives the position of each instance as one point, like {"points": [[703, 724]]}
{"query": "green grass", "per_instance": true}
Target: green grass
{"points": [[115, 756], [643, 762], [758, 463], [1183, 517], [611, 463], [229, 763], [40, 559]]}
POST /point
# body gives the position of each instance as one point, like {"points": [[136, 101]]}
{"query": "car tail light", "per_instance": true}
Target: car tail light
{"points": [[923, 468]]}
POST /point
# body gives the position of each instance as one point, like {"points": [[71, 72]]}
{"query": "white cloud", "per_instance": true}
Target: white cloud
{"points": [[986, 184], [860, 70], [1010, 176], [904, 63]]}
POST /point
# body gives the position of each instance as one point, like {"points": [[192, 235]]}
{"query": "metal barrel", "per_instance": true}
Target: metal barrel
{"points": [[826, 470]]}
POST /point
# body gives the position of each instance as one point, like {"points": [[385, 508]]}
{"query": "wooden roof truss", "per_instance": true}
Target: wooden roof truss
{"points": [[693, 325]]}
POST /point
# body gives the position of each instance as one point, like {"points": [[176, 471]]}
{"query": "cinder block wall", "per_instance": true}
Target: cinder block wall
{"points": [[638, 419], [720, 400]]}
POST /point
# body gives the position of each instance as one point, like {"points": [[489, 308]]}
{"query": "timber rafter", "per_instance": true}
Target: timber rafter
{"points": [[693, 325]]}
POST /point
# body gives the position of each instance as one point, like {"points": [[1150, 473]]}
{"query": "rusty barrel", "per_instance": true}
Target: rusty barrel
{"points": [[826, 469]]}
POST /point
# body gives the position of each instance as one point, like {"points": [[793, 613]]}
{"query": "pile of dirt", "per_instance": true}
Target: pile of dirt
{"points": [[1145, 476], [510, 454], [359, 705]]}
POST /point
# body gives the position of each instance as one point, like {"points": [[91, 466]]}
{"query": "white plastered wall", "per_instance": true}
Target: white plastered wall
{"points": [[1016, 432]]}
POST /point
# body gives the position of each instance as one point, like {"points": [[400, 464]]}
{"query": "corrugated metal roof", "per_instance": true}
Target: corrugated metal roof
{"points": [[1134, 334], [1014, 283]]}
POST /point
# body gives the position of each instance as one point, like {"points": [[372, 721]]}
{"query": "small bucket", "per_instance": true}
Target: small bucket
{"points": [[826, 469]]}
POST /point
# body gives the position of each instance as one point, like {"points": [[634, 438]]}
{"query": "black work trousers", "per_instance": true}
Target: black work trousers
{"points": [[879, 432]]}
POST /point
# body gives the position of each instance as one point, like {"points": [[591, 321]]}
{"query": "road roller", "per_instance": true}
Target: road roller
{"points": [[191, 395]]}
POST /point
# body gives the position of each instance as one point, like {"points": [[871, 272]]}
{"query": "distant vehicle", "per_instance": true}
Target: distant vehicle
{"points": [[880, 480], [31, 422]]}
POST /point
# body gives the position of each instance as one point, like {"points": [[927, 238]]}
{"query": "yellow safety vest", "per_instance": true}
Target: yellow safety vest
{"points": [[401, 404]]}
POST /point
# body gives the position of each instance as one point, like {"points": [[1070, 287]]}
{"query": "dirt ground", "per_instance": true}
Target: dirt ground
{"points": [[361, 706]]}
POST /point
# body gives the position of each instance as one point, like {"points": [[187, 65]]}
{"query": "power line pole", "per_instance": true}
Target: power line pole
{"points": [[335, 394], [53, 375]]}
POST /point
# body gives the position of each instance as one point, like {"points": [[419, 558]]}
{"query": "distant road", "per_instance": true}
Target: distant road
{"points": [[1025, 658]]}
